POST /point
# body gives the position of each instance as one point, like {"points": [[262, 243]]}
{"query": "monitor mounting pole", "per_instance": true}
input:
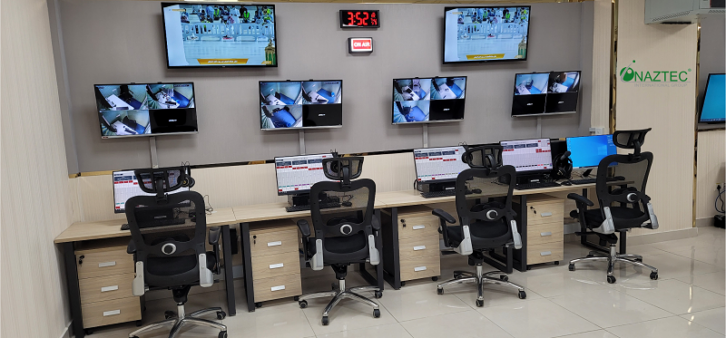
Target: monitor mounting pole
{"points": [[152, 149], [301, 137], [539, 126], [425, 135]]}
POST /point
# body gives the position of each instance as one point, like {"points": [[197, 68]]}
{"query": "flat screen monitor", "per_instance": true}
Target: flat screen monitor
{"points": [[424, 100], [297, 174], [588, 151], [219, 34], [714, 101], [527, 155], [125, 186], [563, 89], [551, 93], [435, 165], [146, 109], [301, 104], [480, 34]]}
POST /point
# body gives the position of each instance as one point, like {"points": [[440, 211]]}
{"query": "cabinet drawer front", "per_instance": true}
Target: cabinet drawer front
{"points": [[105, 288], [106, 263], [111, 312], [420, 267], [545, 213], [418, 247], [287, 263], [274, 242], [277, 287], [418, 226], [543, 253], [545, 233]]}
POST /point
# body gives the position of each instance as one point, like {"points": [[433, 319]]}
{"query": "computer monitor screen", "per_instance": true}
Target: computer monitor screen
{"points": [[527, 155], [297, 174], [421, 100], [562, 92], [588, 151], [438, 164], [301, 104], [714, 102], [128, 110], [125, 186], [476, 34], [530, 94], [220, 35]]}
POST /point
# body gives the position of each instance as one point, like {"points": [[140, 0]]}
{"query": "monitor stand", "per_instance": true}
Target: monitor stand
{"points": [[443, 186]]}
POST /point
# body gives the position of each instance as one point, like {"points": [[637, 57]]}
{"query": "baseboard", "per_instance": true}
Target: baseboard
{"points": [[704, 222], [663, 236]]}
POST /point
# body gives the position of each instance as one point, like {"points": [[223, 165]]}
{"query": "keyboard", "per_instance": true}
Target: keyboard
{"points": [[593, 180], [536, 185], [307, 206]]}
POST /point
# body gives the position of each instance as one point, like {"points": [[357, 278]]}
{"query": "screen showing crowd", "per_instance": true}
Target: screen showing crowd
{"points": [[486, 33]]}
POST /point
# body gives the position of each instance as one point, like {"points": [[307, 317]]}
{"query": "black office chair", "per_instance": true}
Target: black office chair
{"points": [[484, 226], [168, 232], [345, 235], [623, 205]]}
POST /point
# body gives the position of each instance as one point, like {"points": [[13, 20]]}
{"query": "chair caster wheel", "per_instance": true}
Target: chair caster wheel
{"points": [[296, 298], [221, 315], [457, 276], [258, 305], [522, 295], [303, 304], [479, 303], [325, 320], [654, 275], [222, 334], [435, 278], [138, 323], [378, 294], [611, 279], [376, 313], [88, 331], [590, 256], [440, 291], [504, 278], [557, 262], [403, 283], [169, 314], [571, 267]]}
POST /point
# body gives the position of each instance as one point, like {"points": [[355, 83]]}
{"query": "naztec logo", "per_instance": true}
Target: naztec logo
{"points": [[675, 77]]}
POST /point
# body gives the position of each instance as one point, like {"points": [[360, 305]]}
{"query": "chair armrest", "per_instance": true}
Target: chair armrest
{"points": [[131, 248], [443, 215], [304, 228], [375, 223], [580, 199], [214, 234]]}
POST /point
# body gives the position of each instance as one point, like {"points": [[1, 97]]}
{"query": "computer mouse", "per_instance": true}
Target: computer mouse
{"points": [[476, 191], [347, 204], [566, 183]]}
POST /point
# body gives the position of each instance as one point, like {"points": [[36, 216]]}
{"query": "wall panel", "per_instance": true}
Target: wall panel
{"points": [[711, 154]]}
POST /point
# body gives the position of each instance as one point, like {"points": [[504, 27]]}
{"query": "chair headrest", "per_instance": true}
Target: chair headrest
{"points": [[483, 157], [343, 169], [162, 180], [630, 139]]}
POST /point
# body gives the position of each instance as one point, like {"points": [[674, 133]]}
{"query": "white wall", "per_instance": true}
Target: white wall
{"points": [[35, 203], [711, 172]]}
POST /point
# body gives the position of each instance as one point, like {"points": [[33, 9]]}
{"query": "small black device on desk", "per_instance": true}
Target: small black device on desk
{"points": [[304, 207], [536, 185], [444, 193]]}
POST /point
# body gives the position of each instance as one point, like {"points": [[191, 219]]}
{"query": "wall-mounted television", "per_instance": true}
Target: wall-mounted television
{"points": [[714, 100], [146, 109], [481, 34], [214, 34], [301, 104], [425, 100], [537, 94]]}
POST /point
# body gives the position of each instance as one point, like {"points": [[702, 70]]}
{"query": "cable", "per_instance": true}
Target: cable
{"points": [[720, 197]]}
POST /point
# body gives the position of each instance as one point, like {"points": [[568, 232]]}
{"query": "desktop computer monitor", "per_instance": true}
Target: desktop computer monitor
{"points": [[297, 174], [588, 151], [527, 155], [125, 186], [435, 165]]}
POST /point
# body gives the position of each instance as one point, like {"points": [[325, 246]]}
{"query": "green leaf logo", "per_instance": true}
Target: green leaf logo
{"points": [[627, 73]]}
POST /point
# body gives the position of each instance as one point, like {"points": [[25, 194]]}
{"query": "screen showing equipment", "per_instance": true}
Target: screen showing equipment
{"points": [[301, 104], [126, 186], [588, 151], [438, 164], [421, 100], [545, 93], [476, 34], [714, 102], [135, 109], [297, 174], [527, 155], [220, 35]]}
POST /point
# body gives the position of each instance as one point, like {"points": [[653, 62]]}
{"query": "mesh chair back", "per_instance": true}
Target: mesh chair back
{"points": [[484, 216], [626, 198]]}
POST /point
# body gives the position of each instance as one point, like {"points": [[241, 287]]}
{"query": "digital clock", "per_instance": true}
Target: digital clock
{"points": [[358, 19]]}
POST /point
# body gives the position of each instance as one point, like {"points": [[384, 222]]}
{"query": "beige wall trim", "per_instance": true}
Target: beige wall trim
{"points": [[662, 236]]}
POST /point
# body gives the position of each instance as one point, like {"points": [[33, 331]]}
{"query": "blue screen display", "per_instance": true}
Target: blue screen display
{"points": [[714, 104], [588, 151]]}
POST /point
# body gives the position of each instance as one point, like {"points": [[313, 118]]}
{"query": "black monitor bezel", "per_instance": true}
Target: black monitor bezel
{"points": [[113, 186], [393, 100], [415, 168], [703, 101], [277, 179], [531, 172], [259, 106]]}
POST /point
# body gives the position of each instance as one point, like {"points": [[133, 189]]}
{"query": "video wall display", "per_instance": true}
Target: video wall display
{"points": [[301, 104], [476, 34], [420, 100], [220, 35], [545, 93]]}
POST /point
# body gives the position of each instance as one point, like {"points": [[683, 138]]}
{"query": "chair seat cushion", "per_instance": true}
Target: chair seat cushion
{"points": [[347, 244], [485, 235], [169, 266], [594, 217]]}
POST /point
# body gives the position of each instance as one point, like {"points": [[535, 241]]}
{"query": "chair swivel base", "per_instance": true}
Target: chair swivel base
{"points": [[611, 258], [481, 278], [343, 293], [176, 322]]}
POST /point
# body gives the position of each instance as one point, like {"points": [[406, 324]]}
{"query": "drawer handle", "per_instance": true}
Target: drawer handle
{"points": [[106, 264], [419, 268], [277, 288], [417, 227], [109, 288], [111, 313], [546, 214], [544, 234], [275, 266], [278, 243], [420, 247], [545, 253]]}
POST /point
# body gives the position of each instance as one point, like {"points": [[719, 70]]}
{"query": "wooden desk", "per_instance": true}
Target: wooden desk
{"points": [[90, 231]]}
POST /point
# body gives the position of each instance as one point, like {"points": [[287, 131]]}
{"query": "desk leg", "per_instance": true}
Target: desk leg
{"points": [[379, 268], [520, 262], [74, 291], [228, 273], [391, 256], [249, 289]]}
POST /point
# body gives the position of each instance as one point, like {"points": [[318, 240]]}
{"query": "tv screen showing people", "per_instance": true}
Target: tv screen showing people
{"points": [[301, 104], [420, 100]]}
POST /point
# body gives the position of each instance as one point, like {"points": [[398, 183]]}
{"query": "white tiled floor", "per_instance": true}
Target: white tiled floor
{"points": [[687, 301]]}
